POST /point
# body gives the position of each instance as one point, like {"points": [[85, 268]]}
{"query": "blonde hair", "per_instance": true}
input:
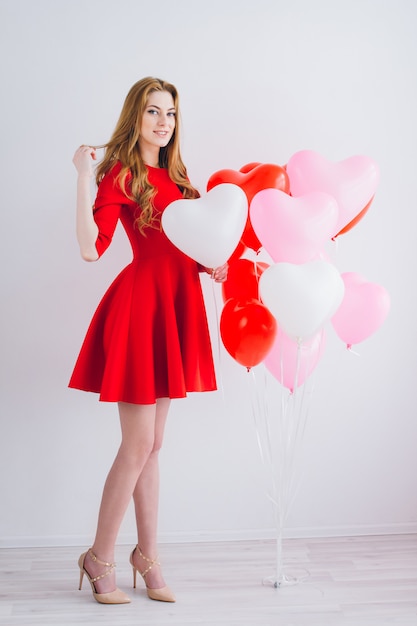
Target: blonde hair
{"points": [[123, 146]]}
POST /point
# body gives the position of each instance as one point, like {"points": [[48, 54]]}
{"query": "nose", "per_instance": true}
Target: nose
{"points": [[163, 119]]}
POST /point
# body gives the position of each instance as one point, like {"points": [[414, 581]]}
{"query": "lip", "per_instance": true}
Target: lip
{"points": [[161, 133]]}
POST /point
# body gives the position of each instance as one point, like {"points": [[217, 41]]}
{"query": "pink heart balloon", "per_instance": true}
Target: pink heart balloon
{"points": [[351, 182], [293, 230], [301, 297], [292, 363], [364, 308], [209, 228]]}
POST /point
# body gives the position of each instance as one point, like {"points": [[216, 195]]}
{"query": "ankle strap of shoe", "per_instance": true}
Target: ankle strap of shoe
{"points": [[151, 562], [111, 566]]}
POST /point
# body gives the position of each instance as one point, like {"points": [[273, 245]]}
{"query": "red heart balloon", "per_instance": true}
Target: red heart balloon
{"points": [[248, 330], [258, 177], [355, 220], [243, 280], [249, 166]]}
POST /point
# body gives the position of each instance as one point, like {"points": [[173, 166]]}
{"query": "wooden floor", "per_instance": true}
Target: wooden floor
{"points": [[360, 581]]}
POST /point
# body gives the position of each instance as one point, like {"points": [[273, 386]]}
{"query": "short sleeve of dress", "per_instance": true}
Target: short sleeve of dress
{"points": [[107, 207]]}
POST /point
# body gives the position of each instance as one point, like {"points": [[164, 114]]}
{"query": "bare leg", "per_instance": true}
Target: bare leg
{"points": [[138, 440], [146, 499]]}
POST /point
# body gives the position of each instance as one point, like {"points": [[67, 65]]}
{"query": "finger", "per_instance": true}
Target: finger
{"points": [[220, 273], [85, 148], [219, 276]]}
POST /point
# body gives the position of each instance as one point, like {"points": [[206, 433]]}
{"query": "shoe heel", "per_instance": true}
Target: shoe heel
{"points": [[133, 568], [81, 566]]}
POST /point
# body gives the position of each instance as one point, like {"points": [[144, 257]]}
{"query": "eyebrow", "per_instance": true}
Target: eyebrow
{"points": [[155, 106]]}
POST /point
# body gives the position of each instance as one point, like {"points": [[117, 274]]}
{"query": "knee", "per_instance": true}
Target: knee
{"points": [[150, 448], [136, 454], [157, 445]]}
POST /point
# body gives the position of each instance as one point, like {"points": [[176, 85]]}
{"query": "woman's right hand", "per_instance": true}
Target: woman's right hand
{"points": [[83, 160]]}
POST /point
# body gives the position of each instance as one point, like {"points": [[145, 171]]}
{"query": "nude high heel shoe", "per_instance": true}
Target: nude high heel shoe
{"points": [[113, 597], [164, 594]]}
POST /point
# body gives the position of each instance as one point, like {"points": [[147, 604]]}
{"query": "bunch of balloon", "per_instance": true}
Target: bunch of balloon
{"points": [[304, 291]]}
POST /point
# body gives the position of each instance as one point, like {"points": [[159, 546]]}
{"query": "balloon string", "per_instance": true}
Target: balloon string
{"points": [[219, 350], [275, 487], [260, 415], [302, 414], [280, 454], [288, 441], [349, 347], [257, 276], [296, 422]]}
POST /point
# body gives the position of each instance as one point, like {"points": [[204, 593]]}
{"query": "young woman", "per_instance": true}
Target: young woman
{"points": [[148, 341]]}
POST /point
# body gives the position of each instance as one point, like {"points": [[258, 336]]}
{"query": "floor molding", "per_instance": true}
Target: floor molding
{"points": [[34, 541]]}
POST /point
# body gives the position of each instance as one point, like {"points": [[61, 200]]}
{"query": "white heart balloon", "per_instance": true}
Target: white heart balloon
{"points": [[209, 228], [301, 297]]}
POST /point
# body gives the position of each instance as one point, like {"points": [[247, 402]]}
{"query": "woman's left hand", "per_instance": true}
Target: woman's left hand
{"points": [[219, 274]]}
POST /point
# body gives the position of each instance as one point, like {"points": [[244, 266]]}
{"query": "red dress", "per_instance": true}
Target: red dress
{"points": [[149, 336]]}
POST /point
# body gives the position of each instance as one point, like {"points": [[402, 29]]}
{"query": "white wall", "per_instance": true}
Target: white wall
{"points": [[259, 81]]}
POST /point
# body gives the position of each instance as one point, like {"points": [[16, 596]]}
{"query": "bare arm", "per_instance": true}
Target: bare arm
{"points": [[86, 228]]}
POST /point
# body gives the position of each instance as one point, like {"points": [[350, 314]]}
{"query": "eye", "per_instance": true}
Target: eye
{"points": [[153, 111], [172, 114]]}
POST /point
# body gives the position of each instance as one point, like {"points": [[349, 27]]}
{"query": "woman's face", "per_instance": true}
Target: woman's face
{"points": [[158, 121]]}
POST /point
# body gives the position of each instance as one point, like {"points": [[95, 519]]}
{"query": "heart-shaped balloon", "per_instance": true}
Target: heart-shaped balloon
{"points": [[352, 182], [252, 178], [209, 228], [247, 329], [364, 308], [243, 280], [355, 220], [293, 230], [260, 176], [291, 363], [301, 297], [249, 166]]}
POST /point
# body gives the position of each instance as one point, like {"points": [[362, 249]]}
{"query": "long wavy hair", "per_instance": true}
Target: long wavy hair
{"points": [[123, 146]]}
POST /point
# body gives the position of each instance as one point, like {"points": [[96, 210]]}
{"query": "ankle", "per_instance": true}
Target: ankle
{"points": [[101, 573], [100, 555], [147, 562]]}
